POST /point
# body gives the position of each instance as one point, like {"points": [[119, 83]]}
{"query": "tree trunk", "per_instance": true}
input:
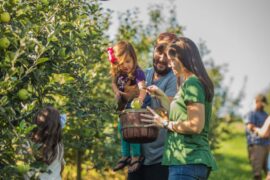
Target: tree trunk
{"points": [[79, 164]]}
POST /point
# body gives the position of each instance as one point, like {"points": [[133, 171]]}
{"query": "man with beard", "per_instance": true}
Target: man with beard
{"points": [[163, 77], [258, 147]]}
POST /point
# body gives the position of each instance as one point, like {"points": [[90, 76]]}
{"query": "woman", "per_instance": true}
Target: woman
{"points": [[187, 151]]}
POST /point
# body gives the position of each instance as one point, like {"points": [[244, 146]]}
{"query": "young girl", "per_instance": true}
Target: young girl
{"points": [[128, 83], [48, 136]]}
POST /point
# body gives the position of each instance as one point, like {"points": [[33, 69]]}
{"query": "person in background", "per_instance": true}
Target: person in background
{"points": [[258, 147], [48, 137]]}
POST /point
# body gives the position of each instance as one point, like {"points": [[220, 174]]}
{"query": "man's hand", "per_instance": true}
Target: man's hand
{"points": [[154, 91]]}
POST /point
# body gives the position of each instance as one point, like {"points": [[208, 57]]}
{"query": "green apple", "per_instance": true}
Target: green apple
{"points": [[4, 43], [45, 2], [135, 104], [23, 94], [14, 2], [5, 17], [22, 168], [62, 52]]}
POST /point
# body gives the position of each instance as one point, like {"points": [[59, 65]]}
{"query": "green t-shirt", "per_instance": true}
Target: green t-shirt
{"points": [[189, 148]]}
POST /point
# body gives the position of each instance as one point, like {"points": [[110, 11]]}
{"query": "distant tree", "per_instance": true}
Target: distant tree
{"points": [[267, 93], [225, 106], [143, 36]]}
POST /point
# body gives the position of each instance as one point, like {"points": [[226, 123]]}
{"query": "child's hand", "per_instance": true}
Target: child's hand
{"points": [[118, 95]]}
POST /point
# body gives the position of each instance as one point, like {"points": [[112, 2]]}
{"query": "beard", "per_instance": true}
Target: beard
{"points": [[161, 72]]}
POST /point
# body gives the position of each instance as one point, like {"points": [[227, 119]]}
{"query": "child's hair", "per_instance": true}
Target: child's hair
{"points": [[47, 133], [122, 50]]}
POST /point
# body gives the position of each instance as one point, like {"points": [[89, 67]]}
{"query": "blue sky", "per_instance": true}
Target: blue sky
{"points": [[236, 31]]}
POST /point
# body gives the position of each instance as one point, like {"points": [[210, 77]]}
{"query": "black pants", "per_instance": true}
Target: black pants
{"points": [[150, 172]]}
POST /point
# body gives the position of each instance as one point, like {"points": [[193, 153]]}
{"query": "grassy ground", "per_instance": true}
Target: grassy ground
{"points": [[232, 157], [232, 161]]}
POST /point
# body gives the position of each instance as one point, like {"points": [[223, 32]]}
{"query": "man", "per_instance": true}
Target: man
{"points": [[258, 147], [162, 76]]}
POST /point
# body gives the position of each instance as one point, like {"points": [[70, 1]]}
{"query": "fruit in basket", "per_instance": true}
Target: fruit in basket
{"points": [[135, 104]]}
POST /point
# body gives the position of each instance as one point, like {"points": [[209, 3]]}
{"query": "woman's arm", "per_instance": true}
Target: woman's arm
{"points": [[195, 122], [193, 125], [264, 131]]}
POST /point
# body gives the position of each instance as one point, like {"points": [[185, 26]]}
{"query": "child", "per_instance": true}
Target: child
{"points": [[48, 136], [128, 83]]}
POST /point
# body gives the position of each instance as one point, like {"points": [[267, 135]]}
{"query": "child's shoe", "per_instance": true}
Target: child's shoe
{"points": [[124, 161]]}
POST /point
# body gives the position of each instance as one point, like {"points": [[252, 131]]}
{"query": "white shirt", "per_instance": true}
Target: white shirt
{"points": [[54, 168]]}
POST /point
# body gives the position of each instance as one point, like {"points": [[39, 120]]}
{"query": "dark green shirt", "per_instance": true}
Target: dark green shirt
{"points": [[183, 149]]}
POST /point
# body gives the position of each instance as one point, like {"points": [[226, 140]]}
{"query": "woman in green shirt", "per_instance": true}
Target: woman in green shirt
{"points": [[187, 151]]}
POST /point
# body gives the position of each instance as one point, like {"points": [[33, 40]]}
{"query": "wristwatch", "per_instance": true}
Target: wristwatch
{"points": [[165, 124]]}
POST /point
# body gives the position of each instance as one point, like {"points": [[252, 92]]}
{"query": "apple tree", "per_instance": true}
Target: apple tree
{"points": [[52, 53]]}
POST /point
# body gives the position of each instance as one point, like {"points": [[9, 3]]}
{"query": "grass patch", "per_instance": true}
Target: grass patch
{"points": [[232, 157]]}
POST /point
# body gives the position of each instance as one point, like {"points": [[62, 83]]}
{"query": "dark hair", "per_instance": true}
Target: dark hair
{"points": [[48, 133], [166, 37], [261, 98], [188, 54]]}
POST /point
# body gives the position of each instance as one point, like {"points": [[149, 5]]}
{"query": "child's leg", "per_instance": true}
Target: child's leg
{"points": [[136, 160], [125, 160], [135, 150], [125, 147]]}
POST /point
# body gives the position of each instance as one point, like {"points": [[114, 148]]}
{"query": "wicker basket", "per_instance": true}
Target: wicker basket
{"points": [[133, 130]]}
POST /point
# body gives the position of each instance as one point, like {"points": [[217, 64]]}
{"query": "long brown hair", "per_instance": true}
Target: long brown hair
{"points": [[188, 54], [48, 133], [122, 50]]}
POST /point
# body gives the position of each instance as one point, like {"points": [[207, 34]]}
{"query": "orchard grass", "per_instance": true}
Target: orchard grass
{"points": [[69, 173], [231, 157]]}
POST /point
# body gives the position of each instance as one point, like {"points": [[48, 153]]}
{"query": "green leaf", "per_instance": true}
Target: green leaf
{"points": [[42, 60], [22, 125]]}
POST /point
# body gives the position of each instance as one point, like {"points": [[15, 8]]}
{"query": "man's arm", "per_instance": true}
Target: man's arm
{"points": [[250, 122], [171, 88]]}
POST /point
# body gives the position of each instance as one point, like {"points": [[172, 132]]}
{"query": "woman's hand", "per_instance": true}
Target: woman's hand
{"points": [[154, 119], [154, 91]]}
